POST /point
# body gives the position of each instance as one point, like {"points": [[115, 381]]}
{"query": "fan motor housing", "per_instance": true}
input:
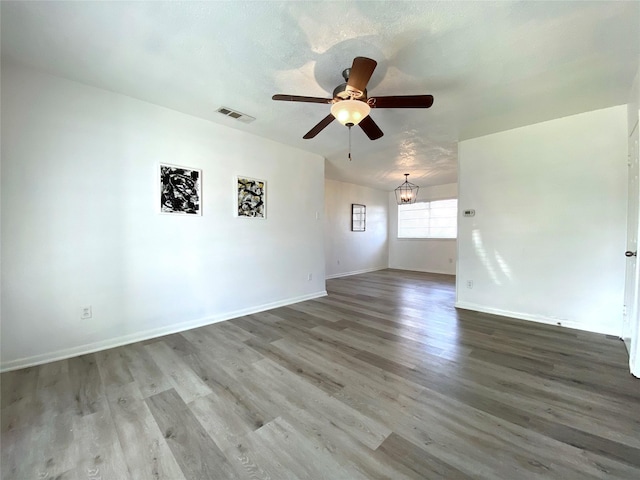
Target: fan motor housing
{"points": [[344, 92]]}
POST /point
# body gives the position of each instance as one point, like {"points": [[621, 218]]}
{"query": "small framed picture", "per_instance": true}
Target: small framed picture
{"points": [[358, 217], [251, 197], [180, 190]]}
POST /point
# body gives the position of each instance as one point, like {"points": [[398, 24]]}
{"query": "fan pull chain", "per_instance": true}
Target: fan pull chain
{"points": [[349, 143]]}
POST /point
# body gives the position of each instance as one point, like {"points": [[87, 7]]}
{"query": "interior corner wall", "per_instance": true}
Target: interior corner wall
{"points": [[433, 255], [81, 223], [548, 237], [347, 252]]}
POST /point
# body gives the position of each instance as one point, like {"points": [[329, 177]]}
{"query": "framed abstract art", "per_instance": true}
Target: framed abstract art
{"points": [[251, 197], [180, 190]]}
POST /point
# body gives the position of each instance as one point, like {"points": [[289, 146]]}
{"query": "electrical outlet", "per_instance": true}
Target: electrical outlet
{"points": [[85, 312], [469, 283], [310, 277]]}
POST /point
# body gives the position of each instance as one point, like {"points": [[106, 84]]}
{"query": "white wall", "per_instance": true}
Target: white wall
{"points": [[422, 254], [80, 223], [348, 252], [547, 240]]}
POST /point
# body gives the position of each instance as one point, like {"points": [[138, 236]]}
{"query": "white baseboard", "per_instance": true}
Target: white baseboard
{"points": [[148, 334], [423, 270], [534, 318], [355, 272]]}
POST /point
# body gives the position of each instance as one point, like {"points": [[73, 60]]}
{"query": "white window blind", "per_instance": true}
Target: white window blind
{"points": [[437, 219]]}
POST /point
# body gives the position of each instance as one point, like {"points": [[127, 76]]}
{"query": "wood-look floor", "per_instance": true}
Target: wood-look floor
{"points": [[382, 378]]}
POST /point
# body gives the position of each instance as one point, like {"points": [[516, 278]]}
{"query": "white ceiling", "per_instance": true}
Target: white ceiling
{"points": [[491, 66]]}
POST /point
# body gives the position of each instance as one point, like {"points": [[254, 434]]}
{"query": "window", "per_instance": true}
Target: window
{"points": [[437, 219]]}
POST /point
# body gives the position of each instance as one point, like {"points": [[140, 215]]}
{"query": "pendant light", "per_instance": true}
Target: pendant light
{"points": [[407, 192]]}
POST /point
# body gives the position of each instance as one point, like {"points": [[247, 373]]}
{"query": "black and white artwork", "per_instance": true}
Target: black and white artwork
{"points": [[180, 190], [251, 195]]}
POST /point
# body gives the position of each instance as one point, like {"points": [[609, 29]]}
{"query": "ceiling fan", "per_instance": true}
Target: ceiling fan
{"points": [[350, 104]]}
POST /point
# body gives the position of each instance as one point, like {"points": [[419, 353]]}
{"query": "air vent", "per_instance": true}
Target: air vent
{"points": [[244, 118]]}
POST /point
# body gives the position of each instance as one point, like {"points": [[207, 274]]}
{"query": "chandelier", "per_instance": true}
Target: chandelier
{"points": [[407, 192]]}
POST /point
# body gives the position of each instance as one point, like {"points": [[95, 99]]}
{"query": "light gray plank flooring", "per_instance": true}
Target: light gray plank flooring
{"points": [[381, 379]]}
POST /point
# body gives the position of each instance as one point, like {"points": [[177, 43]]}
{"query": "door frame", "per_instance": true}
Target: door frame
{"points": [[631, 313], [631, 320]]}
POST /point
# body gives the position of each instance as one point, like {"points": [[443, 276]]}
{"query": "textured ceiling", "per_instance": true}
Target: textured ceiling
{"points": [[491, 66]]}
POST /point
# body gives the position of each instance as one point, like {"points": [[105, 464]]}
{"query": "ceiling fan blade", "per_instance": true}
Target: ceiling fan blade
{"points": [[361, 72], [298, 98], [371, 128], [401, 101], [319, 127]]}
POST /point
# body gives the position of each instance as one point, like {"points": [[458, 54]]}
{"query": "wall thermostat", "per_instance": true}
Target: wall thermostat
{"points": [[469, 213]]}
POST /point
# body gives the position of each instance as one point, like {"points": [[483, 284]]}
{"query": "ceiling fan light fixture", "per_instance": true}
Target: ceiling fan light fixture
{"points": [[350, 112], [350, 103], [407, 192]]}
